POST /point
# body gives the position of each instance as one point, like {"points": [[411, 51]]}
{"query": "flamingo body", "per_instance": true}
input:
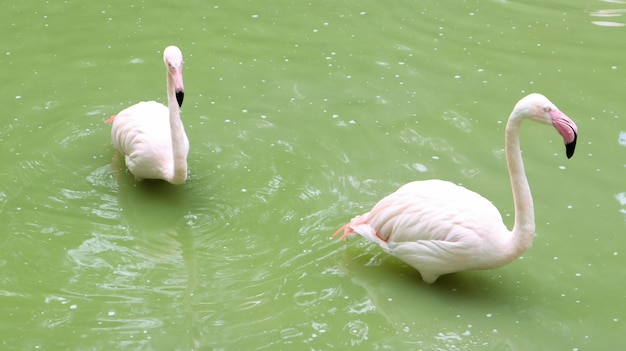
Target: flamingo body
{"points": [[150, 135], [142, 134], [435, 226], [439, 227]]}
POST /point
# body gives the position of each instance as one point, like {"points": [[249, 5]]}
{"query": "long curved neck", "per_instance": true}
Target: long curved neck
{"points": [[524, 227], [178, 135]]}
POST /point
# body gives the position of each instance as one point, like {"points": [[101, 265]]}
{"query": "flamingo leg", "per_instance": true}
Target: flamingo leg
{"points": [[347, 228], [110, 119]]}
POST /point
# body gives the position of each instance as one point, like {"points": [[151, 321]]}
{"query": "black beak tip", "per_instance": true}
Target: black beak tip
{"points": [[180, 95], [569, 148]]}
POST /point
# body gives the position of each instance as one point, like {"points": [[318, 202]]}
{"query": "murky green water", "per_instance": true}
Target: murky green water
{"points": [[301, 115]]}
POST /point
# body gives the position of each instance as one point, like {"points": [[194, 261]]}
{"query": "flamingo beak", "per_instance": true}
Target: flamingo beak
{"points": [[569, 147], [180, 95], [176, 74], [568, 130]]}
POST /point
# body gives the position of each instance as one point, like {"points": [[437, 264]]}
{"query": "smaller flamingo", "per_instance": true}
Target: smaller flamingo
{"points": [[439, 227], [151, 136]]}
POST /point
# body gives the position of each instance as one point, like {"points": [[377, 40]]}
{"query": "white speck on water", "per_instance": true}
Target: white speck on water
{"points": [[622, 138], [419, 167], [244, 190], [73, 307], [111, 313]]}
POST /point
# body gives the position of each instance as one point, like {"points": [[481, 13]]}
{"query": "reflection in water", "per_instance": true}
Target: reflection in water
{"points": [[414, 314], [147, 256], [614, 14]]}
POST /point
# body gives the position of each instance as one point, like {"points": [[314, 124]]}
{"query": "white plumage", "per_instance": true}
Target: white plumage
{"points": [[150, 135], [439, 227]]}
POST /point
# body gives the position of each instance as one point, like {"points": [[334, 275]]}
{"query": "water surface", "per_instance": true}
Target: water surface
{"points": [[300, 116]]}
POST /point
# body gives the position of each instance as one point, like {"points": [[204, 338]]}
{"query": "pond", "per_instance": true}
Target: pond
{"points": [[301, 115]]}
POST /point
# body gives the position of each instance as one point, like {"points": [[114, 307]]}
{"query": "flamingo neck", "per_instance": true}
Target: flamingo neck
{"points": [[524, 227], [177, 130]]}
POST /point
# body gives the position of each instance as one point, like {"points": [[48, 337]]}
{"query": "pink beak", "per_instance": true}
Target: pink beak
{"points": [[567, 128], [177, 77]]}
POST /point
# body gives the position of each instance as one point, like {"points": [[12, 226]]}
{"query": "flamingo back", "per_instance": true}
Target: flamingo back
{"points": [[142, 133], [437, 227]]}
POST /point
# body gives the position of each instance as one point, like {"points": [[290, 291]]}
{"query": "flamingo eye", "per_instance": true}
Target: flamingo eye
{"points": [[547, 109]]}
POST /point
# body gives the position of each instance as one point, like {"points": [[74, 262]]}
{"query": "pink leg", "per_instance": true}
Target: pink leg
{"points": [[347, 228], [110, 120]]}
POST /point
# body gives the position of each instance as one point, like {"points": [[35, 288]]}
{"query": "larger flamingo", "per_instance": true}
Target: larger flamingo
{"points": [[439, 227], [150, 135]]}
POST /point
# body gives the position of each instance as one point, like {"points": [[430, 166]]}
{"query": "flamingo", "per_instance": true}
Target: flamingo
{"points": [[150, 135], [438, 227]]}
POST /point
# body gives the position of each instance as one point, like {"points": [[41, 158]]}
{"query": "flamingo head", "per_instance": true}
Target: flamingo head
{"points": [[173, 59], [538, 108]]}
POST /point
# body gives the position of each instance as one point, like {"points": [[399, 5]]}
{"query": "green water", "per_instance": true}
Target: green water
{"points": [[301, 115]]}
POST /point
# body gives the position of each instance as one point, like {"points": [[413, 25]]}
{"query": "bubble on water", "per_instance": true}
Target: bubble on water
{"points": [[622, 138]]}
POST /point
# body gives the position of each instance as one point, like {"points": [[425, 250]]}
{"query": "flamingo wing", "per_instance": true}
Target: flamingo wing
{"points": [[435, 226], [142, 133]]}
